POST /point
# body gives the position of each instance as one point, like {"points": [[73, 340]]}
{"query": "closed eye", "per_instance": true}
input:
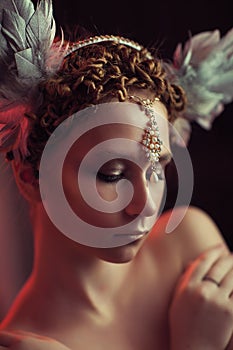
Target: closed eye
{"points": [[109, 178], [150, 176]]}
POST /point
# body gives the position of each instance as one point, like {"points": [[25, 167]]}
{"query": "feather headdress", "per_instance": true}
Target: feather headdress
{"points": [[204, 68], [28, 55]]}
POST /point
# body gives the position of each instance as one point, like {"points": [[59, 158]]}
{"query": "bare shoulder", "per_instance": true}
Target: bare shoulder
{"points": [[194, 234]]}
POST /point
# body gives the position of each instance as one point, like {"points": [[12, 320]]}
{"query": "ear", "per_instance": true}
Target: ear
{"points": [[26, 181]]}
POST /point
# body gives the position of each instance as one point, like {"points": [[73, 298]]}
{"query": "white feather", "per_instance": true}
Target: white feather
{"points": [[12, 25], [204, 68], [27, 56], [23, 8]]}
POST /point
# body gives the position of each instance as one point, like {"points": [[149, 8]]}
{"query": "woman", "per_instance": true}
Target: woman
{"points": [[140, 288]]}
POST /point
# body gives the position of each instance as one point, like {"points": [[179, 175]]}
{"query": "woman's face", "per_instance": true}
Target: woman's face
{"points": [[108, 181]]}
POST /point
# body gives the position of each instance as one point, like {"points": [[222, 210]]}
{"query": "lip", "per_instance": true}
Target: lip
{"points": [[133, 236]]}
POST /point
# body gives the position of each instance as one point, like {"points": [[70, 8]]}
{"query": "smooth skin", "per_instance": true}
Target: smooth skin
{"points": [[146, 295]]}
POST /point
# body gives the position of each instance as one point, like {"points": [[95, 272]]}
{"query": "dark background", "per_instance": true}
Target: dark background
{"points": [[164, 24]]}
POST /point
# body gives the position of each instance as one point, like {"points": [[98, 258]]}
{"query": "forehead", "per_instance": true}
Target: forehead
{"points": [[113, 127], [125, 118]]}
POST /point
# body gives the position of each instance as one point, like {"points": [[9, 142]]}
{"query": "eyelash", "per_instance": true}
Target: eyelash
{"points": [[116, 178], [109, 178]]}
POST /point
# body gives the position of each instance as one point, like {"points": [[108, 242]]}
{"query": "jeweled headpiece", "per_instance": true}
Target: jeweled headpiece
{"points": [[151, 141], [151, 138], [107, 38]]}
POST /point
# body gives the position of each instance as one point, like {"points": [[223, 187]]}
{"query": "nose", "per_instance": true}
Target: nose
{"points": [[142, 199]]}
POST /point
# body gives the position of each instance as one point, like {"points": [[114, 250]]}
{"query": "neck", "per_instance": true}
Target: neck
{"points": [[66, 271], [87, 278]]}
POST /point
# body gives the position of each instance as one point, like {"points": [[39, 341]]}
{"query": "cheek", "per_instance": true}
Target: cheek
{"points": [[92, 207], [106, 191]]}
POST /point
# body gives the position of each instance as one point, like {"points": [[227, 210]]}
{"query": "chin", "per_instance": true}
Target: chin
{"points": [[122, 254]]}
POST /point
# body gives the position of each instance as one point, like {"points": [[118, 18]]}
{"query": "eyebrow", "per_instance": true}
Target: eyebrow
{"points": [[165, 157]]}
